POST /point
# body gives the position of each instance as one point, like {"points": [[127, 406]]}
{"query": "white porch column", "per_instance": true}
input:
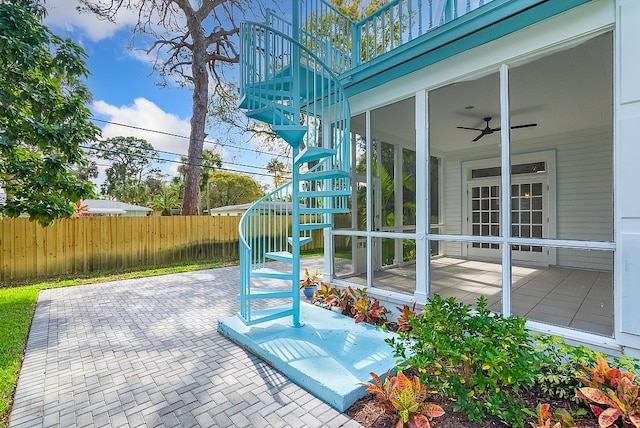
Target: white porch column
{"points": [[505, 142], [398, 212], [369, 209], [626, 161], [422, 197]]}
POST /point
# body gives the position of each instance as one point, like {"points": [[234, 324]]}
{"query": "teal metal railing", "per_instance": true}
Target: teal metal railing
{"points": [[331, 35], [285, 84], [402, 21], [290, 79]]}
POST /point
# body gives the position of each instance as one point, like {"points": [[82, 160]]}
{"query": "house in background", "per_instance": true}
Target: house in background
{"points": [[100, 207], [103, 207], [230, 210], [466, 148]]}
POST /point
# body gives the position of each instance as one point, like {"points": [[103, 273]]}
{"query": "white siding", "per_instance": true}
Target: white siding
{"points": [[584, 194], [451, 208], [585, 197]]}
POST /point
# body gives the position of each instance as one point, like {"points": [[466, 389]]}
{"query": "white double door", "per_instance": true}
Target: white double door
{"points": [[529, 216]]}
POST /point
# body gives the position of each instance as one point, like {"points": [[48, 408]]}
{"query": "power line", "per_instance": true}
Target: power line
{"points": [[181, 162], [181, 155], [183, 136]]}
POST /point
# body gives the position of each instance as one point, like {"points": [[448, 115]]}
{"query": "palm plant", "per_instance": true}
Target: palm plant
{"points": [[165, 201]]}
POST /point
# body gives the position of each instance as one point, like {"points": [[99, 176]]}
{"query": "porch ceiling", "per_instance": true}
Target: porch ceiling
{"points": [[563, 92]]}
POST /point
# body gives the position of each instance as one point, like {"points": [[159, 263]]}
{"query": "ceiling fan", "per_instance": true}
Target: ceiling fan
{"points": [[489, 130]]}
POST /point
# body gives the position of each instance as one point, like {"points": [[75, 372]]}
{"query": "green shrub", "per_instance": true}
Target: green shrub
{"points": [[480, 358], [560, 364]]}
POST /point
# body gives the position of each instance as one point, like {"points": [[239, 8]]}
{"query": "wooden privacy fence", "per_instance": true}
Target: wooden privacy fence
{"points": [[89, 244]]}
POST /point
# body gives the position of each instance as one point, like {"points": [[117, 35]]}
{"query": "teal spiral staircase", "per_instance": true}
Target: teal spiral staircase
{"points": [[286, 83]]}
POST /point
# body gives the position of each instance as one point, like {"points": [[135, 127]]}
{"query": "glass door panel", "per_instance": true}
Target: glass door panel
{"points": [[485, 217], [527, 214], [529, 206]]}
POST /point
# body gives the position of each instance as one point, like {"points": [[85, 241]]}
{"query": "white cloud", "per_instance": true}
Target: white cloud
{"points": [[140, 120], [63, 14], [142, 55], [146, 115]]}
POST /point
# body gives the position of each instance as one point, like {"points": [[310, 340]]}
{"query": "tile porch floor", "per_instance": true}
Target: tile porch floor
{"points": [[575, 298]]}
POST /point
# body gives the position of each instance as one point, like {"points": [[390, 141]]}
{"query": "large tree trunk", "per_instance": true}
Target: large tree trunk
{"points": [[200, 97], [205, 47]]}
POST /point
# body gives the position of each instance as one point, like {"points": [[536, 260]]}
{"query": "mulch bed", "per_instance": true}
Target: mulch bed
{"points": [[369, 414]]}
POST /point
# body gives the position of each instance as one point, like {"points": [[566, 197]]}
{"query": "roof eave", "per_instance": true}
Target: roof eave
{"points": [[490, 22]]}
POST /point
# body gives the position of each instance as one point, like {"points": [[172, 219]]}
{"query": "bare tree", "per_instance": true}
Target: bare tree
{"points": [[191, 44], [223, 107]]}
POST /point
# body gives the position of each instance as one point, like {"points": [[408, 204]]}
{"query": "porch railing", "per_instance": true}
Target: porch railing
{"points": [[332, 36], [402, 21]]}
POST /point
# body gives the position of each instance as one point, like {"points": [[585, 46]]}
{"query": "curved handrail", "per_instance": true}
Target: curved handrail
{"points": [[266, 28], [267, 81], [339, 87]]}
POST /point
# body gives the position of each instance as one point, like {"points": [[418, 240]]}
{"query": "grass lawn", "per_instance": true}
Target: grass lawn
{"points": [[339, 253], [17, 304], [16, 310]]}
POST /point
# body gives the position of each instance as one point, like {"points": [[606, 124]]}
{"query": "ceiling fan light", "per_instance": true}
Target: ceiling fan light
{"points": [[488, 130]]}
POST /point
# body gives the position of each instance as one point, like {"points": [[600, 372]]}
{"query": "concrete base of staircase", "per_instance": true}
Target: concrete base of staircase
{"points": [[328, 356]]}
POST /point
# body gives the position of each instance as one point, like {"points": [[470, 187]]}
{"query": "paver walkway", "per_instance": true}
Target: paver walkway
{"points": [[146, 352]]}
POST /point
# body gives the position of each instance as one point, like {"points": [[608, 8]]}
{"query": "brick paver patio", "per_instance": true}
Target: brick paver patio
{"points": [[146, 353]]}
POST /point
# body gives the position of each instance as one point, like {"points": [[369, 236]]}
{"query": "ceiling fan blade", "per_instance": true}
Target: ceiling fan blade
{"points": [[472, 129], [478, 137], [524, 126]]}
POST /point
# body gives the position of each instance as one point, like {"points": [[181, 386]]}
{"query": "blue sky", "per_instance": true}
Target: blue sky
{"points": [[125, 91]]}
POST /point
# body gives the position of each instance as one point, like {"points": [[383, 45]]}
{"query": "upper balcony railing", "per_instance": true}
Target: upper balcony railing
{"points": [[402, 21], [332, 36]]}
